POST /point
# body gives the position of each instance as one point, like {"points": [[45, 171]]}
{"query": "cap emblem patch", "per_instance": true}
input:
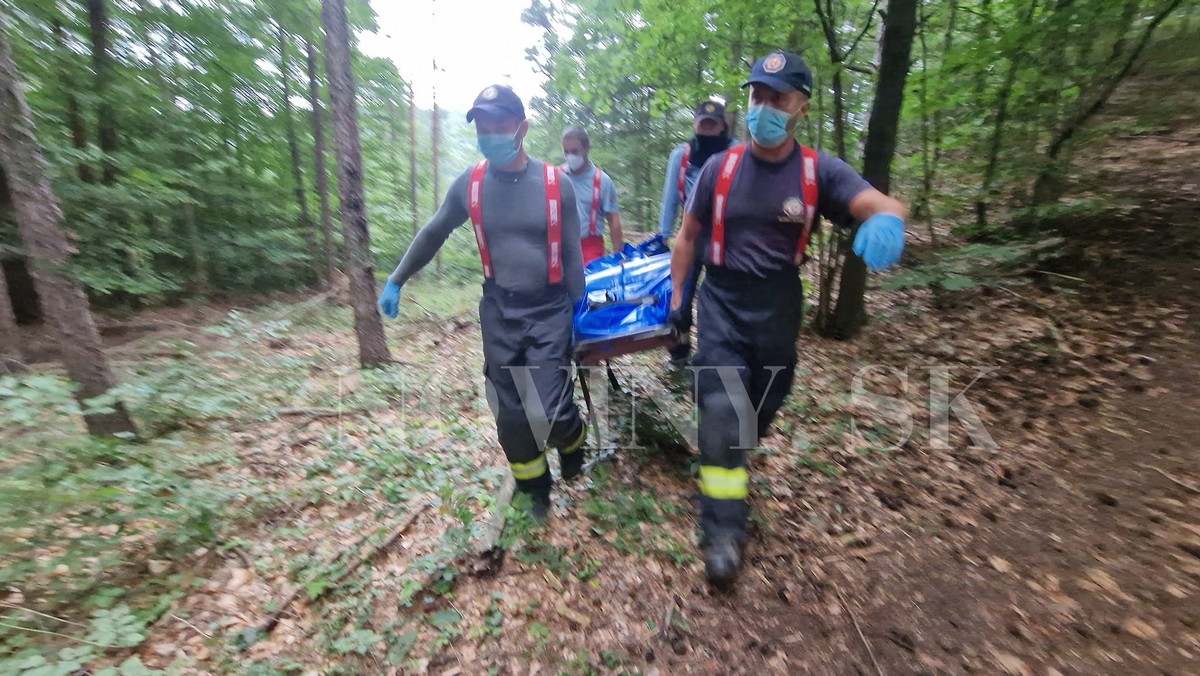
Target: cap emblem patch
{"points": [[774, 63]]}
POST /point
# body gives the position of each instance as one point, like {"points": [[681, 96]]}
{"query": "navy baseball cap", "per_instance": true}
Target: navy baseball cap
{"points": [[497, 100], [710, 110], [783, 72]]}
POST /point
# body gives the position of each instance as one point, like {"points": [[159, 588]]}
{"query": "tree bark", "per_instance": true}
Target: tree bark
{"points": [[372, 346], [321, 177], [11, 360], [106, 118], [882, 131], [39, 223]]}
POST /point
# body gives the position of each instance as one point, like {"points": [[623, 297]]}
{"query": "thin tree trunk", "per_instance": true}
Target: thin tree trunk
{"points": [[839, 115], [74, 114], [437, 167], [106, 118], [947, 45], [11, 360], [996, 140], [412, 163], [396, 162], [321, 177], [306, 223], [200, 285], [850, 314], [1047, 186], [923, 208], [39, 223], [372, 346]]}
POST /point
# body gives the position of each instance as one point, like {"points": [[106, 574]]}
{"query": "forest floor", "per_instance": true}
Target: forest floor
{"points": [[1062, 536]]}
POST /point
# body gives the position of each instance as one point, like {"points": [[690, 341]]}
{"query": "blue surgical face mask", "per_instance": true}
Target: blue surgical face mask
{"points": [[768, 126], [498, 148]]}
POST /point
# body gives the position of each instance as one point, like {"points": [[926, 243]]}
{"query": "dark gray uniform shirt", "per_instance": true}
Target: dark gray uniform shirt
{"points": [[514, 223], [760, 235]]}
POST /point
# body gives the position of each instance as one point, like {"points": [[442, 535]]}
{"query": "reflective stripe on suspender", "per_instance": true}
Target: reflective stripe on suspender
{"points": [[553, 224], [716, 248], [553, 220], [475, 209], [808, 191]]}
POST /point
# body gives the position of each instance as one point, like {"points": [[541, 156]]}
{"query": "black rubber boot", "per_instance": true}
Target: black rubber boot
{"points": [[538, 490], [572, 464], [722, 561]]}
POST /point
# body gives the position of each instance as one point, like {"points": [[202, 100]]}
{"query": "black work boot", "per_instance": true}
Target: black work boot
{"points": [[538, 491], [722, 560], [572, 464]]}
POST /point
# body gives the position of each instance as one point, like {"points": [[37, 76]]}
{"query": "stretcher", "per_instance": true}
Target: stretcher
{"points": [[627, 300]]}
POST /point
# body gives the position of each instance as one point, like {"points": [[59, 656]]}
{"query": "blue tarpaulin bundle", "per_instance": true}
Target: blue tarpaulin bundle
{"points": [[627, 292]]}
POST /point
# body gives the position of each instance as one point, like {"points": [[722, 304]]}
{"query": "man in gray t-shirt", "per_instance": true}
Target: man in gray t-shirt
{"points": [[754, 207], [527, 229]]}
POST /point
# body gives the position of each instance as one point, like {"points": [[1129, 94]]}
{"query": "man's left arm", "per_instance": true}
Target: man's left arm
{"points": [[612, 213], [845, 196]]}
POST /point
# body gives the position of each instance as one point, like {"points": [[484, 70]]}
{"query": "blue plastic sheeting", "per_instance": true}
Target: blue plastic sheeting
{"points": [[651, 246], [626, 292]]}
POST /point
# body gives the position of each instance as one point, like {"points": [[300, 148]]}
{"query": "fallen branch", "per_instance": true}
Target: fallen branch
{"points": [[489, 553], [1182, 484], [273, 619], [1058, 274], [861, 636], [197, 629]]}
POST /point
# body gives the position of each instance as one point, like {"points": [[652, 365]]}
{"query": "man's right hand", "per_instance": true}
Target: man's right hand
{"points": [[677, 320], [389, 299]]}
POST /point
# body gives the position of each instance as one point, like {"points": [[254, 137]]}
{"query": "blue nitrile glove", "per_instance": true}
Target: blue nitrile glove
{"points": [[880, 240], [389, 299]]}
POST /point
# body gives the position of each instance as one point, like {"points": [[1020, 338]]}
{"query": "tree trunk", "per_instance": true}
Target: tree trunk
{"points": [[850, 314], [74, 115], [437, 167], [372, 346], [839, 114], [11, 360], [39, 223], [321, 177], [1048, 186], [106, 118], [395, 160], [412, 163], [196, 243], [289, 122]]}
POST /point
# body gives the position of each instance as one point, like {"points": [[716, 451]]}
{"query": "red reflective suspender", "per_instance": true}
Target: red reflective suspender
{"points": [[808, 191], [716, 248], [475, 209], [553, 220], [683, 163], [553, 223], [592, 231]]}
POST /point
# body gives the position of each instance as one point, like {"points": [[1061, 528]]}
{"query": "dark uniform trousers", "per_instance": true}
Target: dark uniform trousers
{"points": [[527, 358], [746, 360]]}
